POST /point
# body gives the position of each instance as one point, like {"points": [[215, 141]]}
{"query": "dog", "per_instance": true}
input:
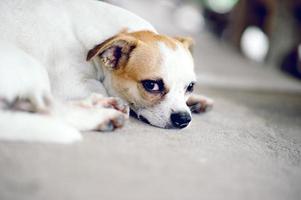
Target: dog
{"points": [[72, 66]]}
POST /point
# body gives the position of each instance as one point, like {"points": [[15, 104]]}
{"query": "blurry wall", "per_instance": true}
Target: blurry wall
{"points": [[261, 30]]}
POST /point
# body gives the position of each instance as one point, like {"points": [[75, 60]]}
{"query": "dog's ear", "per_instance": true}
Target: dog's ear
{"points": [[115, 51], [186, 41]]}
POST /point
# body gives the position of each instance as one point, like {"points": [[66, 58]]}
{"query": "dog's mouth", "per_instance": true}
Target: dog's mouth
{"points": [[143, 119], [140, 117]]}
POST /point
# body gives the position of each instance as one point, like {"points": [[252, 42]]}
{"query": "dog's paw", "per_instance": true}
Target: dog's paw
{"points": [[34, 102], [98, 101], [199, 104], [113, 102], [112, 122], [96, 113]]}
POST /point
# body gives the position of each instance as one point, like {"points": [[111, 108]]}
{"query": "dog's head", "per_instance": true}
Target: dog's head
{"points": [[153, 73]]}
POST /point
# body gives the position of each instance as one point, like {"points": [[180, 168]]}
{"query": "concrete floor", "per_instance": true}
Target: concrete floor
{"points": [[247, 147]]}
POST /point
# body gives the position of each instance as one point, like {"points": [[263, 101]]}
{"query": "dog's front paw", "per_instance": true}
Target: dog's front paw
{"points": [[199, 104], [98, 101], [112, 122], [101, 113], [115, 103]]}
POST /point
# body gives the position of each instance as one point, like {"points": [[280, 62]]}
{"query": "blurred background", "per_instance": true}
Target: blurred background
{"points": [[245, 44]]}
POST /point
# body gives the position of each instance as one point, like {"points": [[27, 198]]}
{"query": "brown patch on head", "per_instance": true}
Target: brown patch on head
{"points": [[144, 64], [131, 58], [128, 81]]}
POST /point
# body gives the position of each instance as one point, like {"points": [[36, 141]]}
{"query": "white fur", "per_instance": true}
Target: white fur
{"points": [[16, 80], [34, 127], [46, 42]]}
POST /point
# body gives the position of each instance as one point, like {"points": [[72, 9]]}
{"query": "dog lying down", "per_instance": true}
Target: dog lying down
{"points": [[72, 66]]}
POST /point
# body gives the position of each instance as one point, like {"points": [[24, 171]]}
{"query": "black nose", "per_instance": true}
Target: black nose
{"points": [[180, 119]]}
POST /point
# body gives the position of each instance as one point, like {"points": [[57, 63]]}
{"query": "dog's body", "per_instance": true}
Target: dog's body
{"points": [[43, 68], [59, 33]]}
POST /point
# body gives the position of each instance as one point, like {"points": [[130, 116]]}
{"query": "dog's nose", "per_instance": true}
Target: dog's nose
{"points": [[180, 119]]}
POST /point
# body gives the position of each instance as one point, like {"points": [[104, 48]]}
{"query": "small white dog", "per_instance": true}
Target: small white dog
{"points": [[61, 60]]}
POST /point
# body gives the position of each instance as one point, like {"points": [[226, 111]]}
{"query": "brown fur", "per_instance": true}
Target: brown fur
{"points": [[143, 62], [151, 38]]}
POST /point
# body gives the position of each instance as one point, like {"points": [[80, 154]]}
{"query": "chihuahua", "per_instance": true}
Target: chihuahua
{"points": [[72, 66]]}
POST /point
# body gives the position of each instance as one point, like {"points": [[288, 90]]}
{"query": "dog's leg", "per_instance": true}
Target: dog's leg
{"points": [[199, 103], [24, 82], [96, 100], [25, 87], [95, 113]]}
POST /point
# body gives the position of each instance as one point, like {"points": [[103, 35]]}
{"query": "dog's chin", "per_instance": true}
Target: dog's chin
{"points": [[145, 120]]}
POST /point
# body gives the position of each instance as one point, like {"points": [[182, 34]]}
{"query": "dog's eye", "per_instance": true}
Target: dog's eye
{"points": [[190, 87], [153, 85]]}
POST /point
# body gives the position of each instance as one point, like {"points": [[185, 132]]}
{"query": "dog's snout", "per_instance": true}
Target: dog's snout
{"points": [[180, 119]]}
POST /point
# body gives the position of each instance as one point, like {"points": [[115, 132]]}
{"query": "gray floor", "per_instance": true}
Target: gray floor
{"points": [[247, 147]]}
